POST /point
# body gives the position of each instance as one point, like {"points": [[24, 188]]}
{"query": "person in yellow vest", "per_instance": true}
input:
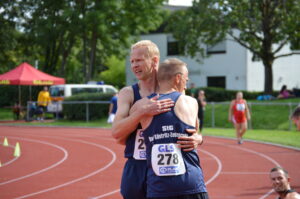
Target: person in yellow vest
{"points": [[43, 101]]}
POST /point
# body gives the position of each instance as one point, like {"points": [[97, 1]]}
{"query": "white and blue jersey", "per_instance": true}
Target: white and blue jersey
{"points": [[171, 171]]}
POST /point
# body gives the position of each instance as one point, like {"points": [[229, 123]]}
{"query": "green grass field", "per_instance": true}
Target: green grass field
{"points": [[288, 138], [270, 123], [270, 115], [6, 114]]}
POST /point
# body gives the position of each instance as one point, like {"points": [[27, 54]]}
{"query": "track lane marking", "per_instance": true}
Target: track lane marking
{"points": [[254, 152], [77, 179], [42, 170], [3, 164]]}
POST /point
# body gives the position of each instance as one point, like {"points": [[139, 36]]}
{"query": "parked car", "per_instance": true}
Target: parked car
{"points": [[59, 92]]}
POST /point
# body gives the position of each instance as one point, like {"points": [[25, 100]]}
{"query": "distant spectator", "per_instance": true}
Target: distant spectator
{"points": [[281, 184], [193, 90], [112, 108], [284, 93], [296, 117], [43, 101], [17, 111], [239, 114], [265, 97], [296, 92], [32, 110], [201, 104]]}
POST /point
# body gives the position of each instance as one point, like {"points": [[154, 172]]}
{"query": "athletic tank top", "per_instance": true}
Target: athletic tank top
{"points": [[171, 171], [239, 109], [288, 191], [130, 142]]}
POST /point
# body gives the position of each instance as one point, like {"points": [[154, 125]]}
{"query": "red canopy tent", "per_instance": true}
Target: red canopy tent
{"points": [[25, 74]]}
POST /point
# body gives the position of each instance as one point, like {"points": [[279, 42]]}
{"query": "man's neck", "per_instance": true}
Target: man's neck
{"points": [[166, 88], [283, 194], [148, 86]]}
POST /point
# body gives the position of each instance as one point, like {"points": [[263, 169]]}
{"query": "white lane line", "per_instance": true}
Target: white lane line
{"points": [[219, 163], [106, 194], [3, 164], [77, 179], [207, 182], [86, 136], [42, 170], [257, 153]]}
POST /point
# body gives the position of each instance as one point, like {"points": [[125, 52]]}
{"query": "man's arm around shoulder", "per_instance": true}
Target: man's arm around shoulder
{"points": [[124, 123]]}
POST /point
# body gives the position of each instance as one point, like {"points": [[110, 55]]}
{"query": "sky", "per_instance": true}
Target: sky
{"points": [[181, 2]]}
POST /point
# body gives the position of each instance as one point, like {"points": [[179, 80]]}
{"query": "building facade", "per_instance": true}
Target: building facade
{"points": [[229, 66]]}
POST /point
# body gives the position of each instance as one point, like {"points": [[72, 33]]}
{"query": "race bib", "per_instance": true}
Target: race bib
{"points": [[240, 107], [166, 160], [139, 146]]}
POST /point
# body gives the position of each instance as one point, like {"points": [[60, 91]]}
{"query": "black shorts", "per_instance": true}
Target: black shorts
{"points": [[133, 184], [202, 195], [41, 109]]}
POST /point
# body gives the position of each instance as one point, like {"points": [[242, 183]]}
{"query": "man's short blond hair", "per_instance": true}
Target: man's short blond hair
{"points": [[151, 47], [170, 67]]}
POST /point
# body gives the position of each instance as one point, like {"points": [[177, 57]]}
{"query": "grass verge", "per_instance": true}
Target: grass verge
{"points": [[287, 138]]}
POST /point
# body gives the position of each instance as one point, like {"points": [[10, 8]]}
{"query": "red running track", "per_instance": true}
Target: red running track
{"points": [[86, 163]]}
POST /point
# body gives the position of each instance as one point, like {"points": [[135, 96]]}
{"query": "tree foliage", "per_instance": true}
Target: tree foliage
{"points": [[72, 38], [115, 74], [264, 27]]}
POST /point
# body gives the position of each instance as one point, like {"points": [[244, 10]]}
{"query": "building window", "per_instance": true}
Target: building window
{"points": [[219, 48], [216, 81], [173, 46]]}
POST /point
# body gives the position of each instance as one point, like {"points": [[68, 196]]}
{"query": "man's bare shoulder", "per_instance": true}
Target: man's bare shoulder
{"points": [[188, 99], [186, 103], [126, 91], [126, 96], [293, 195]]}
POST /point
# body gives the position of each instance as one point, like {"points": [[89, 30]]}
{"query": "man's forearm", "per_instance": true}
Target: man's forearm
{"points": [[122, 128]]}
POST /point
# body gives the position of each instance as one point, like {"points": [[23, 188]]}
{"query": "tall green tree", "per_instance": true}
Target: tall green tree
{"points": [[88, 31], [264, 27], [115, 74], [10, 37]]}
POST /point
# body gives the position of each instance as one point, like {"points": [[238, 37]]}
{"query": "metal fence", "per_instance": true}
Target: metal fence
{"points": [[216, 113], [57, 107]]}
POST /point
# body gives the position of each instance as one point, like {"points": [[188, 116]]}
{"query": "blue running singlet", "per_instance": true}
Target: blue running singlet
{"points": [[171, 171]]}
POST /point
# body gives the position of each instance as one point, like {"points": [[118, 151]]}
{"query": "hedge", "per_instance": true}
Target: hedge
{"points": [[214, 94]]}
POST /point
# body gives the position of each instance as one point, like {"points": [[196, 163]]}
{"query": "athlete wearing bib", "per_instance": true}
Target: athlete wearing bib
{"points": [[171, 171], [239, 111], [238, 114], [133, 184], [144, 60]]}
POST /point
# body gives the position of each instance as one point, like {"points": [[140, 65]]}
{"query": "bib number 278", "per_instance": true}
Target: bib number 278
{"points": [[167, 159]]}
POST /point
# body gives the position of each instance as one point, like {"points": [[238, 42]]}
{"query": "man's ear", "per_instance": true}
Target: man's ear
{"points": [[177, 78], [155, 60]]}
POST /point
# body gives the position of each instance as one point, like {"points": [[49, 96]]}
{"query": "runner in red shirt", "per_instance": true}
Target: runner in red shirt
{"points": [[239, 114]]}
